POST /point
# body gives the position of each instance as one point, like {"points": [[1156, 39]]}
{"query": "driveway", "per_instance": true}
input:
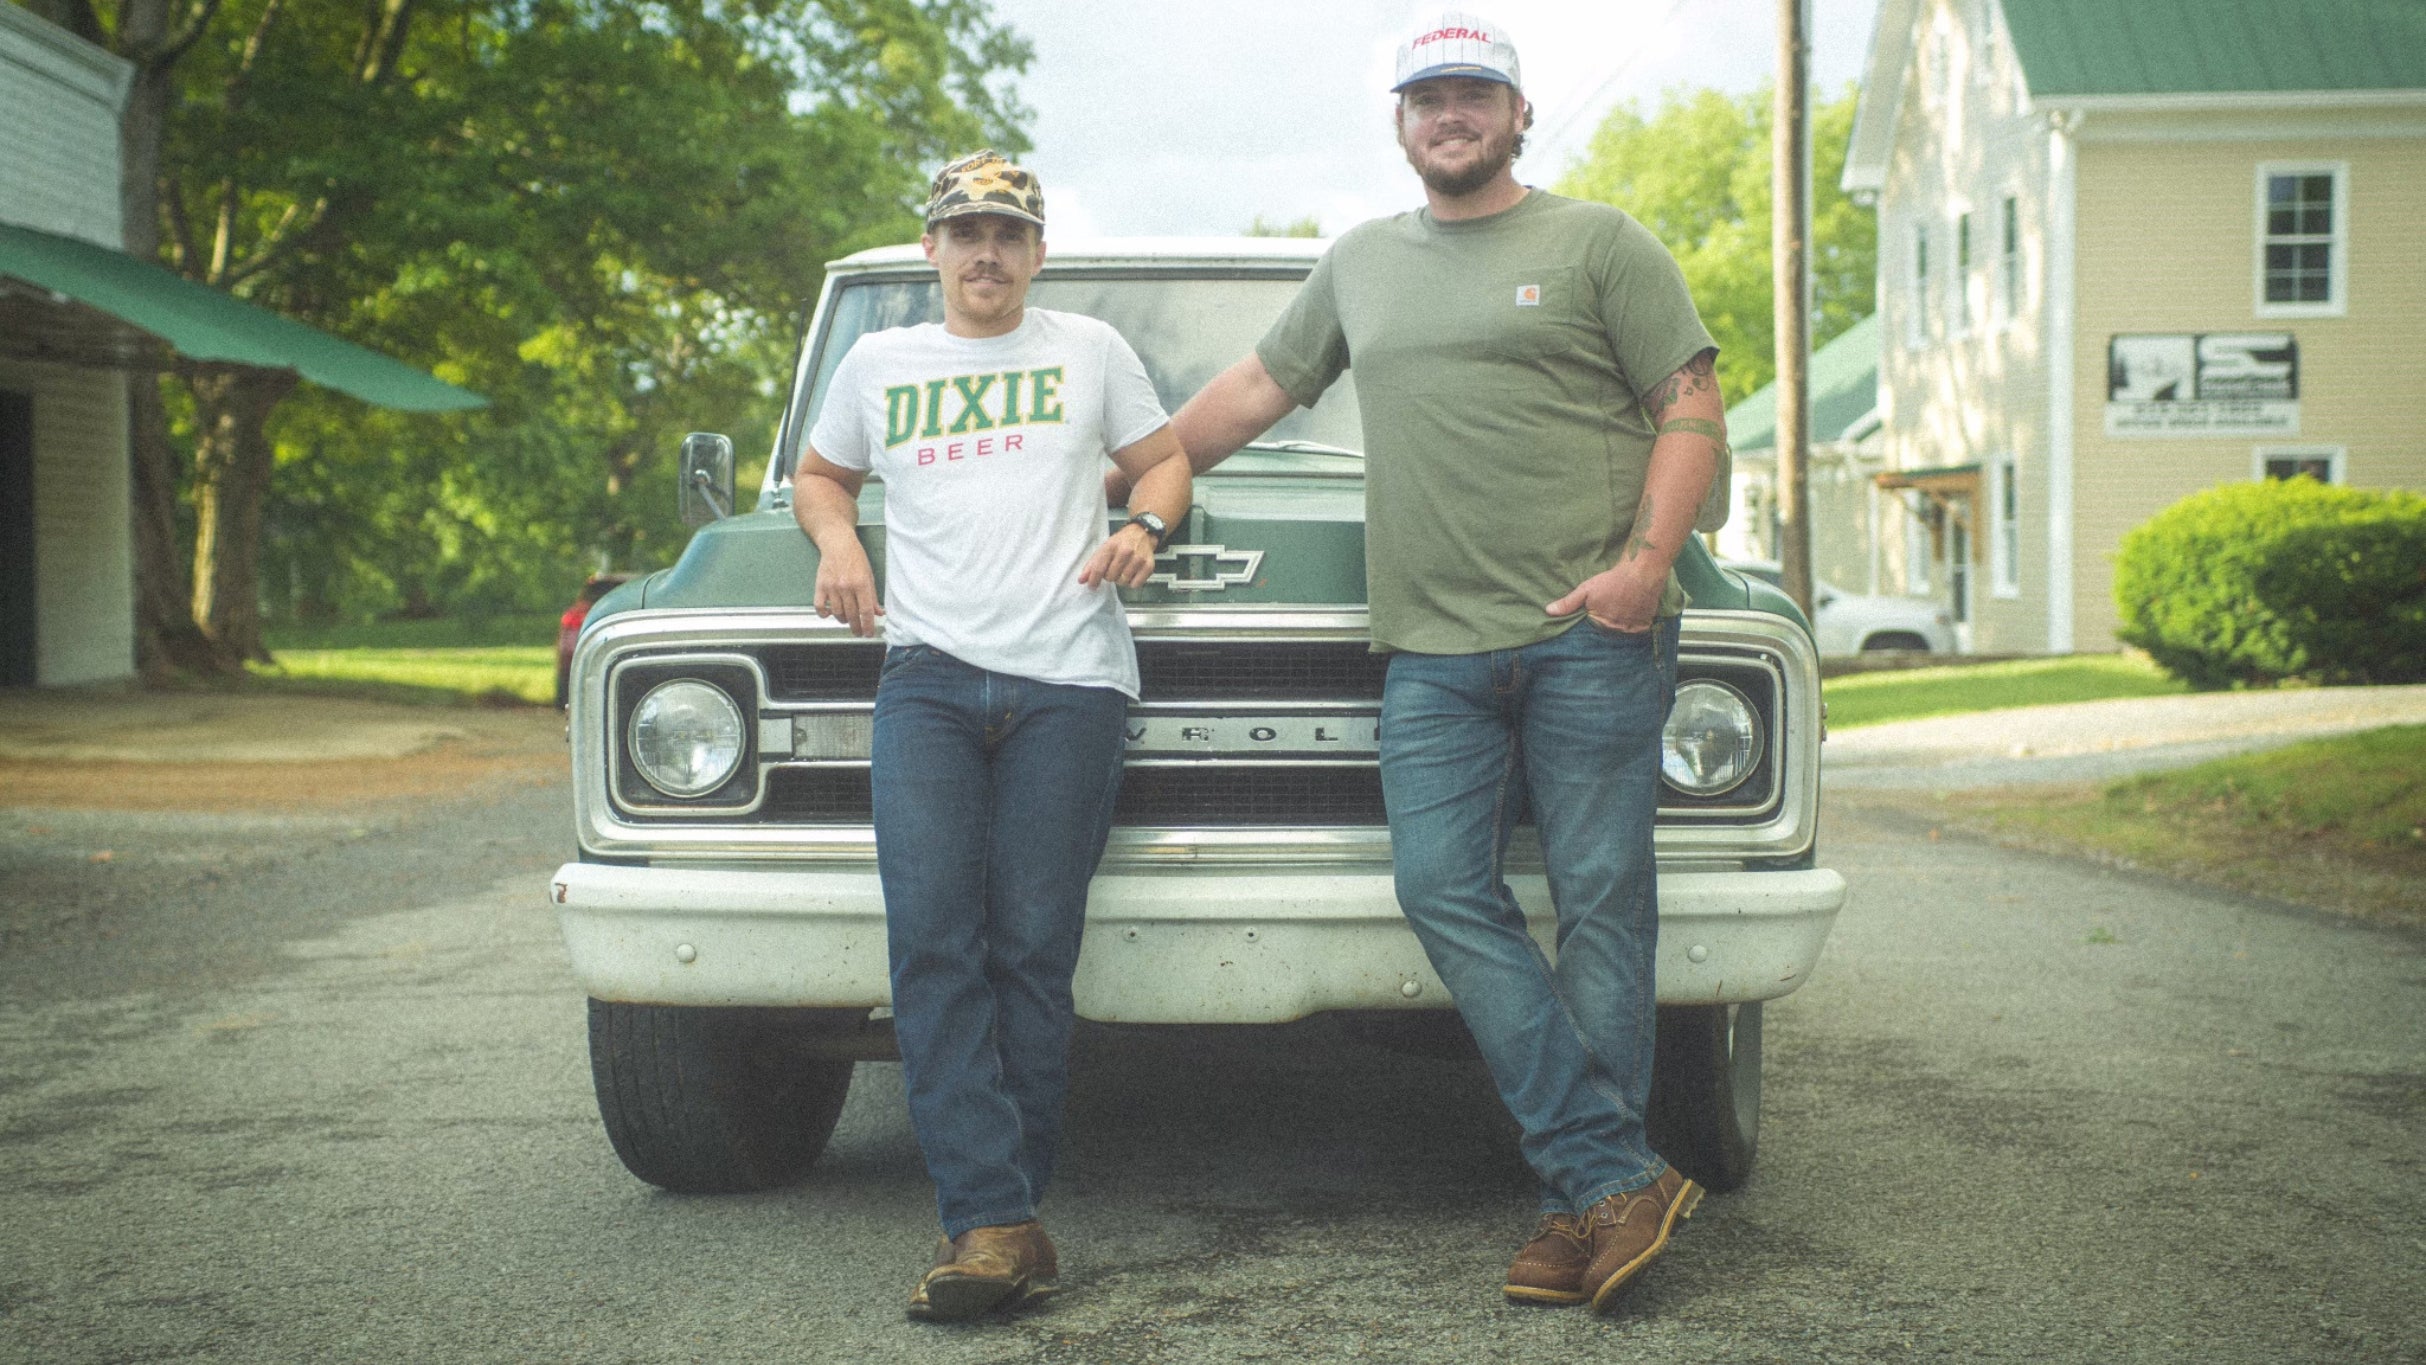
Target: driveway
{"points": [[332, 1103]]}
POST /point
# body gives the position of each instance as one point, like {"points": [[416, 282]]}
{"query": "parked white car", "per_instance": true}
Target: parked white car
{"points": [[1849, 623]]}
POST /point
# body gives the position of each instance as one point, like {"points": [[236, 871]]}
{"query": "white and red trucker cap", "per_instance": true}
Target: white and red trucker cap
{"points": [[1455, 43]]}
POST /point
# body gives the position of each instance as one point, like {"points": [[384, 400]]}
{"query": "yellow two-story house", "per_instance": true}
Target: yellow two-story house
{"points": [[2130, 249]]}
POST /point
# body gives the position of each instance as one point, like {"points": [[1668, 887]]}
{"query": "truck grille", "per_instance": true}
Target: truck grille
{"points": [[1259, 724], [1233, 730], [1192, 795]]}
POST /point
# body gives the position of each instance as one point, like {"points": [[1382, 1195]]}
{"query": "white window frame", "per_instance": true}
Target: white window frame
{"points": [[1983, 67], [2011, 288], [1919, 546], [2337, 297], [1916, 319], [1958, 295], [2333, 456], [1937, 88], [2004, 526]]}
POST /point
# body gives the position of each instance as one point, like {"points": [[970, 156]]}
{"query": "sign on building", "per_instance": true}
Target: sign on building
{"points": [[2203, 384]]}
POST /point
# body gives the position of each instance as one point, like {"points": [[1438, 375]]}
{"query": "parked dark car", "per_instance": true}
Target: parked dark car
{"points": [[568, 628]]}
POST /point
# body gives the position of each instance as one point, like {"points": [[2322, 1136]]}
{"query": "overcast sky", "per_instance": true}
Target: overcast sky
{"points": [[1183, 116]]}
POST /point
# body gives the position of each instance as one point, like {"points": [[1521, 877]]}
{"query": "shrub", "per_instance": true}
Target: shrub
{"points": [[2253, 583]]}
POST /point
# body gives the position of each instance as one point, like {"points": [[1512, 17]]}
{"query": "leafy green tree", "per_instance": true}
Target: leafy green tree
{"points": [[1697, 173], [607, 215], [670, 204]]}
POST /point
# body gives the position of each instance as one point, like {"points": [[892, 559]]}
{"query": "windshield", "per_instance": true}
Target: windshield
{"points": [[1186, 329]]}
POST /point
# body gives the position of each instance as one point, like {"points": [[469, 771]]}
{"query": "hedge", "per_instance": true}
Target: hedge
{"points": [[2250, 584]]}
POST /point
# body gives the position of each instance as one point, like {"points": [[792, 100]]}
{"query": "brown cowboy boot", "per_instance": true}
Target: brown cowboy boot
{"points": [[984, 1269], [1630, 1228]]}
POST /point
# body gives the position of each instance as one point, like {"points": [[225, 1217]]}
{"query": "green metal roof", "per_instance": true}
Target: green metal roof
{"points": [[2152, 47], [1844, 390], [202, 323]]}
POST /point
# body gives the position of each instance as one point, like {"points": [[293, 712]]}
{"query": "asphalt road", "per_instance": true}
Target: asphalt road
{"points": [[313, 1088]]}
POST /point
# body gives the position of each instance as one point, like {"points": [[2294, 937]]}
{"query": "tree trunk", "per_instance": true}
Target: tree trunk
{"points": [[232, 459], [166, 638]]}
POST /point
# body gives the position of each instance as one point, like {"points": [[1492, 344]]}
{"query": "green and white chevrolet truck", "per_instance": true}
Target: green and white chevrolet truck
{"points": [[724, 914]]}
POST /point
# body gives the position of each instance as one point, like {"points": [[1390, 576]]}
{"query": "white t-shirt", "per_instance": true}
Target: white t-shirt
{"points": [[991, 450]]}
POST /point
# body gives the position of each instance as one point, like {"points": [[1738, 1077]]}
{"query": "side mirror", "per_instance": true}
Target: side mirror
{"points": [[706, 491]]}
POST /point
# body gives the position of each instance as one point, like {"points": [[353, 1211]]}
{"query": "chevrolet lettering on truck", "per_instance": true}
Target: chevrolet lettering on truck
{"points": [[724, 915]]}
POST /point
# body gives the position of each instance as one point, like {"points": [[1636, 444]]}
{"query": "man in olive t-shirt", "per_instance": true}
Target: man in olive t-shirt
{"points": [[1542, 427]]}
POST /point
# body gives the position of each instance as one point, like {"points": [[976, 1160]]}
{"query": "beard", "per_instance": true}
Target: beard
{"points": [[1497, 154]]}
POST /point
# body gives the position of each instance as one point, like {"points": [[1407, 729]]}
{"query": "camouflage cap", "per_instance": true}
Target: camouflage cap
{"points": [[985, 182]]}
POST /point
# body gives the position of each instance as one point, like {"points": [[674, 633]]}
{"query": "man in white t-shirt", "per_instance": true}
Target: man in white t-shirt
{"points": [[999, 716]]}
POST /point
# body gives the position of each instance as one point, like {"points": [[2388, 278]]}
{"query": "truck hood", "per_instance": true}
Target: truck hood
{"points": [[1270, 528]]}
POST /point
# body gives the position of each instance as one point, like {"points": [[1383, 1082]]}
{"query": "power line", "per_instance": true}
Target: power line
{"points": [[1558, 130]]}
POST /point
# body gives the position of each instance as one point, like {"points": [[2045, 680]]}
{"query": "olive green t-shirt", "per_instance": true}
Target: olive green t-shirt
{"points": [[1499, 366]]}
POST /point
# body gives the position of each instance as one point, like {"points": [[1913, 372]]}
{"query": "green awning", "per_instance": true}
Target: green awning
{"points": [[201, 323]]}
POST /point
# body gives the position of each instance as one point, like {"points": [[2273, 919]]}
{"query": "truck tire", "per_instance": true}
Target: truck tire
{"points": [[1706, 1091], [1903, 640], [715, 1101]]}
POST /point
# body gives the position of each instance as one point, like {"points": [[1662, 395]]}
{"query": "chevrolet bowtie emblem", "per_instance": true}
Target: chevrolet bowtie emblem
{"points": [[1205, 568]]}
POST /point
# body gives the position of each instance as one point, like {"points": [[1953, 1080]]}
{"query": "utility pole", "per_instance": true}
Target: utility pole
{"points": [[1790, 251]]}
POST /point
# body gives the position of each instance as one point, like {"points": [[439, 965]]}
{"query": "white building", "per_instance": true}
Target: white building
{"points": [[66, 555], [2128, 250]]}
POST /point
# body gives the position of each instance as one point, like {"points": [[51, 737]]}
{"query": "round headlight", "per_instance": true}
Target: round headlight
{"points": [[686, 738], [1712, 741]]}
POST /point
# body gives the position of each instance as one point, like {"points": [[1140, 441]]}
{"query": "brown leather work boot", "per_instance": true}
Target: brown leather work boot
{"points": [[984, 1269], [1550, 1268], [1630, 1228]]}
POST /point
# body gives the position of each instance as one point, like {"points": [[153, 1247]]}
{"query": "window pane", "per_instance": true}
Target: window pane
{"points": [[2316, 192]]}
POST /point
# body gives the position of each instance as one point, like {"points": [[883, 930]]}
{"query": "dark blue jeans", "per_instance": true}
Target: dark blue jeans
{"points": [[993, 799], [1572, 726]]}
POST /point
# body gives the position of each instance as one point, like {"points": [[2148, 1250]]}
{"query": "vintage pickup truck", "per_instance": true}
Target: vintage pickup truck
{"points": [[724, 914]]}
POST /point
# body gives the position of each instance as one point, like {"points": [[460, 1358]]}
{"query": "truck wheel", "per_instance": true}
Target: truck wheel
{"points": [[715, 1101], [1706, 1091], [1895, 640]]}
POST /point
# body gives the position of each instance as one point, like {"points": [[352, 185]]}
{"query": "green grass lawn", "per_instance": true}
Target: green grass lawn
{"points": [[2338, 823], [1874, 698], [446, 632], [493, 660], [488, 673]]}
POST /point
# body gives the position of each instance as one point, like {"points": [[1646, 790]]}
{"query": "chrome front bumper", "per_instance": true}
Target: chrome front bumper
{"points": [[1190, 946]]}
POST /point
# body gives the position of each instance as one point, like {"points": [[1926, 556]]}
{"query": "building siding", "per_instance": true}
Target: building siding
{"points": [[2167, 240], [1972, 398], [84, 592], [60, 99]]}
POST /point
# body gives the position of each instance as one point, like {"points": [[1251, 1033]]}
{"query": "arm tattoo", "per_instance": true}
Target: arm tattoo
{"points": [[1695, 426], [1639, 539], [1698, 375]]}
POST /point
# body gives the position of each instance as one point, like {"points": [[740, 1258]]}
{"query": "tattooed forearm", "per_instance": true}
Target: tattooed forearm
{"points": [[1639, 540]]}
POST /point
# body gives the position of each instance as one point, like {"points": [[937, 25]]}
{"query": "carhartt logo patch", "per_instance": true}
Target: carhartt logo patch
{"points": [[1528, 295]]}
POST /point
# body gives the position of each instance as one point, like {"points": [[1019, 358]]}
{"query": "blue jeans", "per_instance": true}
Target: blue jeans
{"points": [[1571, 727], [993, 797]]}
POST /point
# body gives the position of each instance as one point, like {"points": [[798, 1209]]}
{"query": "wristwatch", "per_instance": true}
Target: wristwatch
{"points": [[1155, 527]]}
